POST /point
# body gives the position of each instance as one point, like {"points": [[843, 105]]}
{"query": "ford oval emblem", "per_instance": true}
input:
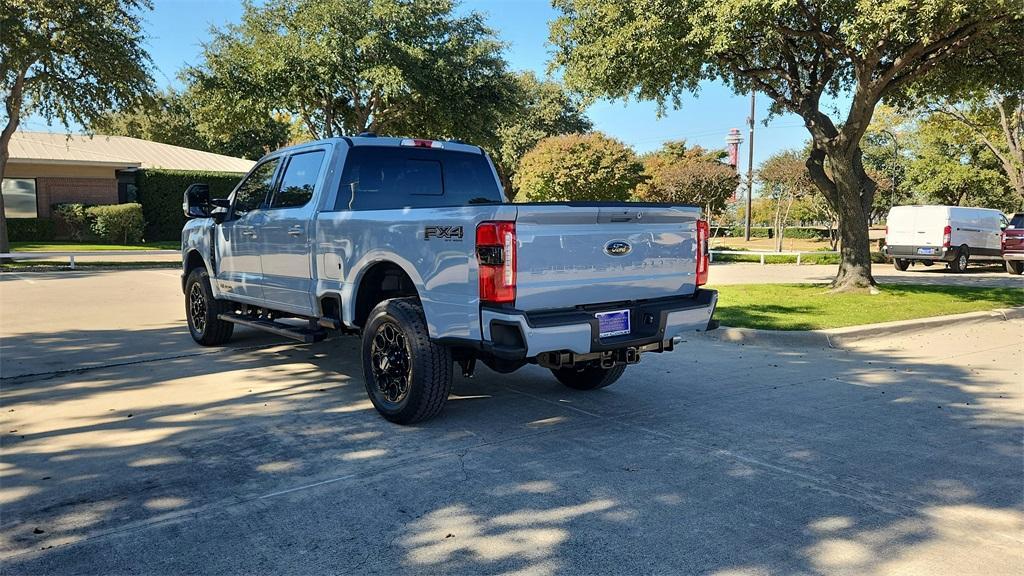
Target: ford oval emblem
{"points": [[617, 248]]}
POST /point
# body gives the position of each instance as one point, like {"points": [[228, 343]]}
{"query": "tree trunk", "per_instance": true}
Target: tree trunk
{"points": [[13, 106], [850, 192], [854, 246]]}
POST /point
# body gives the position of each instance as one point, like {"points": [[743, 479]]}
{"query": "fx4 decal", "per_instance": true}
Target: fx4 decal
{"points": [[447, 233]]}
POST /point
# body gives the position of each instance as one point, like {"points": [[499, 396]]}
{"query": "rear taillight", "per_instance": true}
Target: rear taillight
{"points": [[703, 257], [496, 255], [947, 235]]}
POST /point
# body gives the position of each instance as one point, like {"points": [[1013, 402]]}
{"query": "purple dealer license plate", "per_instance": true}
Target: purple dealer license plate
{"points": [[613, 323]]}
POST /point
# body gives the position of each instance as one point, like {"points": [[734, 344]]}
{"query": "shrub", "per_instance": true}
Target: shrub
{"points": [[578, 167], [160, 193], [30, 229], [681, 175], [73, 220], [118, 223]]}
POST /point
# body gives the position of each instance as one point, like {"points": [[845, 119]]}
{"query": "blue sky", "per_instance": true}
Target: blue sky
{"points": [[177, 28]]}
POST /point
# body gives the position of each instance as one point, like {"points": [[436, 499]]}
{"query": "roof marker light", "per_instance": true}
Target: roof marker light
{"points": [[420, 143]]}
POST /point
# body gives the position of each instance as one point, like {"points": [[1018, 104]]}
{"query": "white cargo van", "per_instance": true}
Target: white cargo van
{"points": [[952, 234]]}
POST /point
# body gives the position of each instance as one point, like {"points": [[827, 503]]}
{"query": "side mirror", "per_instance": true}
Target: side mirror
{"points": [[197, 201]]}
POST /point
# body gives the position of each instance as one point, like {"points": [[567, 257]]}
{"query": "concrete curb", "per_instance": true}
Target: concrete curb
{"points": [[841, 337]]}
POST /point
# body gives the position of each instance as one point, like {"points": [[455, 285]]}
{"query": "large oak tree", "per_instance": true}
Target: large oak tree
{"points": [[802, 54], [68, 61], [348, 66]]}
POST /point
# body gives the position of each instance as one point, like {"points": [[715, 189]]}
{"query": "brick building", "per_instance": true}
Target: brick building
{"points": [[46, 169]]}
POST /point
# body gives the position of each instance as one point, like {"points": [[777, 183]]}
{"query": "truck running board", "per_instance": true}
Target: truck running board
{"points": [[305, 335]]}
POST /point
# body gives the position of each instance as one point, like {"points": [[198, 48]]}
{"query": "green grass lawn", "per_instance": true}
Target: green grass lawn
{"points": [[812, 307], [83, 247]]}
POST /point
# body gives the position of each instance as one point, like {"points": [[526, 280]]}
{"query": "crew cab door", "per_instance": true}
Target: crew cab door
{"points": [[238, 238], [286, 247]]}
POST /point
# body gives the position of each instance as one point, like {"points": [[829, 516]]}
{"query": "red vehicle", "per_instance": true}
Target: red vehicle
{"points": [[1013, 244]]}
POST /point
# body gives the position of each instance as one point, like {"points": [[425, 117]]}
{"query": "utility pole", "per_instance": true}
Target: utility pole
{"points": [[750, 171]]}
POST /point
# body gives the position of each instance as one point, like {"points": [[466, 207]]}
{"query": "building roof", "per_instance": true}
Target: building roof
{"points": [[116, 152]]}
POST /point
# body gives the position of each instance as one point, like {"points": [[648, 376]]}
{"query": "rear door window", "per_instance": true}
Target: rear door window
{"points": [[299, 180], [1017, 222], [383, 178]]}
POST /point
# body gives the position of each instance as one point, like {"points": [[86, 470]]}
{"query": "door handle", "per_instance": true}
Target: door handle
{"points": [[295, 230], [248, 232]]}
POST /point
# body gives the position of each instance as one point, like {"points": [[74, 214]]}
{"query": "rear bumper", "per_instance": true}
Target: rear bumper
{"points": [[913, 252], [514, 334], [1013, 255]]}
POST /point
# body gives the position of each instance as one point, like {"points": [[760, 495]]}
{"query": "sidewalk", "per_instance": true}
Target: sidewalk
{"points": [[752, 273]]}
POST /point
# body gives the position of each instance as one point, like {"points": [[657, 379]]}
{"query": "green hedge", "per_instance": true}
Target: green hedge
{"points": [[737, 232], [117, 223], [809, 233], [30, 229], [160, 193]]}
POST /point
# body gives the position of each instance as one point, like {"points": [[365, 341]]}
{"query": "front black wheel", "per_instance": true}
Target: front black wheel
{"points": [[901, 264], [589, 377], [408, 377], [202, 310], [1015, 267]]}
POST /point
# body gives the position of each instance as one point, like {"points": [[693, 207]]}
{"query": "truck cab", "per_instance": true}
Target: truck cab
{"points": [[412, 244]]}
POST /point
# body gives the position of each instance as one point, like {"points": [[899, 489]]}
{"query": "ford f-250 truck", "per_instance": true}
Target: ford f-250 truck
{"points": [[413, 244]]}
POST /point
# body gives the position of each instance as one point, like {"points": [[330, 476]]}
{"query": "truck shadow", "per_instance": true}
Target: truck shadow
{"points": [[715, 458]]}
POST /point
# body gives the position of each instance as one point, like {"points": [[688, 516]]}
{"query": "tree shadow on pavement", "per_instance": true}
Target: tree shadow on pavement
{"points": [[717, 458]]}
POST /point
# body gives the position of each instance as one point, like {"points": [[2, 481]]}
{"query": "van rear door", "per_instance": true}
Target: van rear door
{"points": [[916, 225]]}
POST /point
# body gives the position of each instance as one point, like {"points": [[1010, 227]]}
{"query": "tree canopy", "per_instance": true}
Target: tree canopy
{"points": [[171, 117], [347, 66], [688, 175], [950, 167], [800, 54], [542, 108], [578, 167], [68, 61]]}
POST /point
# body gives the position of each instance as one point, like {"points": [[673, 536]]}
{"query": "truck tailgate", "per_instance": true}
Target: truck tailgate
{"points": [[570, 255]]}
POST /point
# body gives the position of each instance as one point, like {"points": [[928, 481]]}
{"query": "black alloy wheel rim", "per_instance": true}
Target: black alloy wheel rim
{"points": [[197, 307], [390, 358]]}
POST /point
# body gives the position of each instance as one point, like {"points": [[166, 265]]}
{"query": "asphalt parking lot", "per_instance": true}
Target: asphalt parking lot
{"points": [[126, 449]]}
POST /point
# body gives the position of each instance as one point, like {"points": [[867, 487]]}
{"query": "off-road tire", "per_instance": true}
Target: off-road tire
{"points": [[590, 377], [959, 263], [901, 264], [429, 379], [204, 325], [1014, 267]]}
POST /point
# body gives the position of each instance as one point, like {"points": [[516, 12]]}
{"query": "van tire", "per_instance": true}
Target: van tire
{"points": [[202, 311], [397, 329], [959, 262], [901, 264], [1014, 267], [590, 377]]}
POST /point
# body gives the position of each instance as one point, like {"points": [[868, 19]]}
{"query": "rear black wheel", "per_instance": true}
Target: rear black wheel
{"points": [[901, 264], [408, 377], [1015, 267], [959, 263], [589, 377], [202, 310]]}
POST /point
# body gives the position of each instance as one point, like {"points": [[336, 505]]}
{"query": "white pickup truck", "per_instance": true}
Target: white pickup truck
{"points": [[413, 244]]}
